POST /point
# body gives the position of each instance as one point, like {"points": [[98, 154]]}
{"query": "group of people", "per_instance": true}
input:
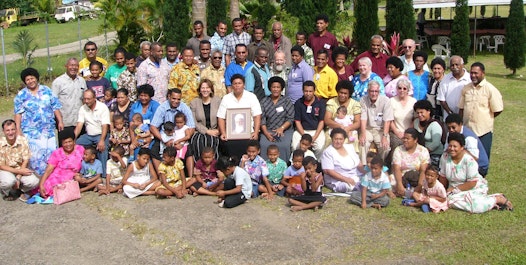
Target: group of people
{"points": [[248, 117]]}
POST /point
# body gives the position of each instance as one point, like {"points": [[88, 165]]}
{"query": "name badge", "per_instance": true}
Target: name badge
{"points": [[294, 75], [327, 46], [280, 109], [146, 122], [317, 77], [222, 80], [309, 109]]}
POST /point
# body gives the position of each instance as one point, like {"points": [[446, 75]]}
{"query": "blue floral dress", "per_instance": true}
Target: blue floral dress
{"points": [[38, 124], [360, 87]]}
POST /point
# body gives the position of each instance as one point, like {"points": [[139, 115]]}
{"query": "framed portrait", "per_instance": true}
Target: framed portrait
{"points": [[238, 124]]}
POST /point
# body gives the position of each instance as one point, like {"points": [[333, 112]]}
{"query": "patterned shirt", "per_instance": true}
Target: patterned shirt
{"points": [[217, 42], [128, 80], [155, 75], [14, 155], [172, 173], [37, 111], [276, 170], [407, 161], [123, 135], [232, 39], [185, 78], [309, 55], [257, 169], [373, 185], [217, 76], [360, 87]]}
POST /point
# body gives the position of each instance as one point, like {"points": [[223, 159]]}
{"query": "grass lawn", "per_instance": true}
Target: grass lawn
{"points": [[58, 33], [452, 237]]}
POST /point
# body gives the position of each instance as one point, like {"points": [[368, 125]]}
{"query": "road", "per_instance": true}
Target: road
{"points": [[64, 48]]}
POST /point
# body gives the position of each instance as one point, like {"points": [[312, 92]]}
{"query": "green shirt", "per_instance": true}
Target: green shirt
{"points": [[276, 170], [113, 74]]}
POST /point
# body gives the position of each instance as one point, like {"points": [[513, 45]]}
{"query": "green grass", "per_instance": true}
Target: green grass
{"points": [[58, 33]]}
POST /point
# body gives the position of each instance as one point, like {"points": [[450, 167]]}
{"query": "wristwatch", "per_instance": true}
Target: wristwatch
{"points": [[386, 134]]}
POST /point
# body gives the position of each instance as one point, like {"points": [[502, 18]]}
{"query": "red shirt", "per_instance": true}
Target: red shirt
{"points": [[327, 42], [378, 63]]}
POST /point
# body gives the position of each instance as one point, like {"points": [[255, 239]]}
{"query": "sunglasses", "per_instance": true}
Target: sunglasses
{"points": [[90, 50], [402, 88], [218, 57]]}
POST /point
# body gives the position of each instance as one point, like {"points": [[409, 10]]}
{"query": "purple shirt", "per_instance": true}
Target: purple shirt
{"points": [[298, 74]]}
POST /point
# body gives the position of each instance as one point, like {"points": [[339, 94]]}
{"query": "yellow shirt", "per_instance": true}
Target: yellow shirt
{"points": [[217, 76], [84, 67], [185, 78], [172, 172], [325, 80]]}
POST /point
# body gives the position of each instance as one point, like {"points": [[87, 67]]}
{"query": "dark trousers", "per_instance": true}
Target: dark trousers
{"points": [[233, 200]]}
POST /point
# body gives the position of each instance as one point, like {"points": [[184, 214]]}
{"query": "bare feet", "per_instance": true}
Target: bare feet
{"points": [[295, 208], [376, 206]]}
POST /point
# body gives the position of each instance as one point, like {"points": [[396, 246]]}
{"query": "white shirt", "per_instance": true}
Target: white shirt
{"points": [[94, 119], [248, 100], [450, 90]]}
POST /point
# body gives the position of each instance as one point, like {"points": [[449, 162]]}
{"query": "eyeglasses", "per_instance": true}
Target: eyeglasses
{"points": [[402, 88], [218, 57], [407, 47], [374, 91], [90, 50], [241, 52]]}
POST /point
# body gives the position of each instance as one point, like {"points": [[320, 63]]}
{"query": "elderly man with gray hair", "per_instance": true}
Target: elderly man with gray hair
{"points": [[376, 118], [145, 52], [378, 58]]}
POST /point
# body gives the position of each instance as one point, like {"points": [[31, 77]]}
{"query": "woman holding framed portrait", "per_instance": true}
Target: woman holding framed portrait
{"points": [[243, 106]]}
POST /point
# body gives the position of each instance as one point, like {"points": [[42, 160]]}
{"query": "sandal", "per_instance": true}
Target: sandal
{"points": [[24, 197], [506, 206]]}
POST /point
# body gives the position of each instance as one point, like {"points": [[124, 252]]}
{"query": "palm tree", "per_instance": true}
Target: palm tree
{"points": [[199, 11], [234, 9]]}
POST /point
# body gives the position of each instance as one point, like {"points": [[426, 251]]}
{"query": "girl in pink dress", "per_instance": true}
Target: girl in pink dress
{"points": [[62, 164], [431, 194]]}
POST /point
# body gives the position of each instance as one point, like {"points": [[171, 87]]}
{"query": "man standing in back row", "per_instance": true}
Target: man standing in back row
{"points": [[238, 36], [323, 39], [480, 102]]}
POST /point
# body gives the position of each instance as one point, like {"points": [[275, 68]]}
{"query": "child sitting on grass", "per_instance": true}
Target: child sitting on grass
{"points": [[115, 168], [237, 186], [140, 177], [207, 181], [276, 167], [120, 134], [431, 194], [256, 167], [90, 172], [375, 185], [311, 183], [171, 173], [293, 174]]}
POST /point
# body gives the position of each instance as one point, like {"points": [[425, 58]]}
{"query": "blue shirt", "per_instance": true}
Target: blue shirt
{"points": [[420, 84], [298, 74], [166, 113], [90, 170], [375, 185], [150, 111], [235, 68], [483, 156], [360, 87], [250, 81]]}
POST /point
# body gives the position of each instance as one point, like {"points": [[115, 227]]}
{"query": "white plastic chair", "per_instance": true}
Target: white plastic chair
{"points": [[441, 51], [484, 41], [444, 41], [497, 40], [421, 40]]}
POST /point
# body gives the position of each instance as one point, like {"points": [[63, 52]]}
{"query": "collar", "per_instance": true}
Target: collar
{"points": [[242, 64], [16, 143]]}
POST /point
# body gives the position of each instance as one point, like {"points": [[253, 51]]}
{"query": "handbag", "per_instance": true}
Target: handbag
{"points": [[66, 192]]}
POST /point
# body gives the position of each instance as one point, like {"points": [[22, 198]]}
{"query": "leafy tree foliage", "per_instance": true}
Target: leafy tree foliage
{"points": [[366, 13], [460, 40], [400, 18], [515, 37], [215, 11], [304, 10], [176, 21]]}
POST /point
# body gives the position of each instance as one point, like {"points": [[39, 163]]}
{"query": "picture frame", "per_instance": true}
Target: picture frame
{"points": [[238, 124]]}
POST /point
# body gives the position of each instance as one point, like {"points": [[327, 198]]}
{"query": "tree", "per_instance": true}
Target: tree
{"points": [[259, 12], [460, 40], [515, 37], [23, 44], [327, 7], [176, 21], [199, 12], [234, 9], [399, 17], [366, 13], [130, 19], [215, 12], [305, 12]]}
